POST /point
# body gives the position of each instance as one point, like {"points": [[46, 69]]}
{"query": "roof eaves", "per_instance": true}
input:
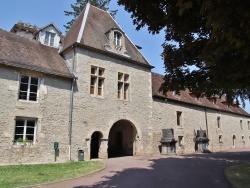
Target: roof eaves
{"points": [[111, 54], [203, 106], [13, 64]]}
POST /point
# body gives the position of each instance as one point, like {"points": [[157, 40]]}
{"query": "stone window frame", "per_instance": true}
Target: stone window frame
{"points": [[123, 86], [97, 81], [116, 42], [179, 121], [28, 91], [49, 38], [25, 128]]}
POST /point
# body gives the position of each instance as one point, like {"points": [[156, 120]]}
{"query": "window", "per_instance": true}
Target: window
{"points": [[28, 89], [248, 125], [117, 39], [214, 100], [97, 81], [220, 139], [123, 86], [180, 140], [25, 129], [218, 122], [241, 124], [179, 118], [49, 38]]}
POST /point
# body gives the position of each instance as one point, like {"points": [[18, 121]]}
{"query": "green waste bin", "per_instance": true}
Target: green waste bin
{"points": [[80, 155]]}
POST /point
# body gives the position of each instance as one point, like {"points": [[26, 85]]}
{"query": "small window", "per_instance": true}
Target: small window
{"points": [[218, 122], [28, 89], [214, 100], [49, 38], [117, 39], [220, 139], [241, 124], [180, 141], [97, 81], [248, 125], [123, 86], [25, 129], [179, 118]]}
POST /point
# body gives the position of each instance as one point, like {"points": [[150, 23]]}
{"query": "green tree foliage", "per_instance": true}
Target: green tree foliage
{"points": [[79, 6], [206, 46]]}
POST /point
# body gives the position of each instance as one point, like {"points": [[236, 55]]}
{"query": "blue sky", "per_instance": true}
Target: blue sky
{"points": [[42, 12]]}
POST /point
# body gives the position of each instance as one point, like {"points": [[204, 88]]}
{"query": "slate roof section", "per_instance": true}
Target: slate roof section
{"points": [[186, 97], [30, 54], [98, 22]]}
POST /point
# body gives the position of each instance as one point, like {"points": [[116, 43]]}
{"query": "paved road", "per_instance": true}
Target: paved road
{"points": [[189, 171]]}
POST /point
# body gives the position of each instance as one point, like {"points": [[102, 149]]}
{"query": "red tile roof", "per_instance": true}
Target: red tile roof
{"points": [[30, 54], [98, 22], [185, 97]]}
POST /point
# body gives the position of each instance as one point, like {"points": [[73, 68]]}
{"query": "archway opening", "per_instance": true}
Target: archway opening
{"points": [[95, 145], [121, 139]]}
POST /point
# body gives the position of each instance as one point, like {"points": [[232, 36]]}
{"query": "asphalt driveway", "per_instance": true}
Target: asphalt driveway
{"points": [[194, 171]]}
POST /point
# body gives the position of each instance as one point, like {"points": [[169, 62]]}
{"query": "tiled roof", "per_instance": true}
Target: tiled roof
{"points": [[30, 54], [186, 97], [95, 24]]}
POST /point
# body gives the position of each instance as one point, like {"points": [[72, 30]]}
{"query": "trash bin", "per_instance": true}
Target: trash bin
{"points": [[80, 155]]}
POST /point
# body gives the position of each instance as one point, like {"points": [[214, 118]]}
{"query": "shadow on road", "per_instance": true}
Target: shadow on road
{"points": [[198, 170]]}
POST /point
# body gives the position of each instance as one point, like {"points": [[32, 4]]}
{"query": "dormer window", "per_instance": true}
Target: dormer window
{"points": [[116, 42], [117, 39], [49, 38]]}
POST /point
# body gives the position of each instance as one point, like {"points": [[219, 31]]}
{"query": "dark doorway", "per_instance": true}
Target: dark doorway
{"points": [[95, 144], [121, 139]]}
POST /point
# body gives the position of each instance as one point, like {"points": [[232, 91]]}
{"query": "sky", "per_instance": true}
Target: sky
{"points": [[42, 12]]}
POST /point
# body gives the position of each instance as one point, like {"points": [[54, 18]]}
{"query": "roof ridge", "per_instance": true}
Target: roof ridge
{"points": [[20, 36], [83, 23], [157, 73], [98, 8]]}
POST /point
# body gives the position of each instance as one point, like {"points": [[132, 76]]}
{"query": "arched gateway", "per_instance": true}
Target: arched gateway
{"points": [[121, 140]]}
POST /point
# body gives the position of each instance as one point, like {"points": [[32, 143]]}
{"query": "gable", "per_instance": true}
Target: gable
{"points": [[91, 29]]}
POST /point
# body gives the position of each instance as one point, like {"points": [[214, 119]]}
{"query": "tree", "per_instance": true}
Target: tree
{"points": [[80, 4], [206, 46]]}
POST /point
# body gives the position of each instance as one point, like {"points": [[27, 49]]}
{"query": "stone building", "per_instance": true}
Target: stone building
{"points": [[96, 93]]}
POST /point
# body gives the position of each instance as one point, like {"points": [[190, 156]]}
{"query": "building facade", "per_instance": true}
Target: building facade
{"points": [[96, 93]]}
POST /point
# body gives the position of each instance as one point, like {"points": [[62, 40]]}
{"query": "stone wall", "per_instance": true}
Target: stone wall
{"points": [[145, 116], [51, 112], [99, 113], [193, 118]]}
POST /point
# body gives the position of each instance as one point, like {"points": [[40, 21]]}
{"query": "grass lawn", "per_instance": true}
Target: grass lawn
{"points": [[21, 175], [239, 175]]}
